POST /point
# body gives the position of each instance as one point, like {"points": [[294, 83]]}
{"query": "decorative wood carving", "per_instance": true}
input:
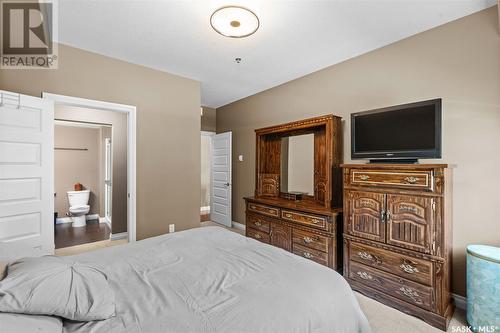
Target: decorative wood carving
{"points": [[397, 237]]}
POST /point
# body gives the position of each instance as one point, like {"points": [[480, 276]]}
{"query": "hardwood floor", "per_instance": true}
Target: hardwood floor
{"points": [[204, 217], [65, 235]]}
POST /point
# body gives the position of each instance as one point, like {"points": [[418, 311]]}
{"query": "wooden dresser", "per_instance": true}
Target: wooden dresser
{"points": [[306, 230], [309, 227], [398, 236]]}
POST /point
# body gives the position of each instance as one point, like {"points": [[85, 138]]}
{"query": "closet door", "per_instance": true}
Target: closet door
{"points": [[27, 171]]}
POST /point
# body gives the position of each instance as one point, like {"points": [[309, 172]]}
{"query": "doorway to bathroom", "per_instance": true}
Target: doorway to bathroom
{"points": [[82, 180], [111, 206]]}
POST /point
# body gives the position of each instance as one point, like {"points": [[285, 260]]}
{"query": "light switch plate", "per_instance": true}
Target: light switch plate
{"points": [[240, 158], [171, 228]]}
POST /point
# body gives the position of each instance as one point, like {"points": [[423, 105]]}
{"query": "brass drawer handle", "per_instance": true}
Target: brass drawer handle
{"points": [[368, 256], [252, 207], [257, 236], [411, 180], [308, 240], [257, 223], [316, 221], [364, 177], [271, 211], [365, 275], [288, 215], [308, 255], [408, 268], [410, 293]]}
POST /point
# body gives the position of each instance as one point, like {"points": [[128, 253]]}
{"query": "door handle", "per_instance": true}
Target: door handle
{"points": [[227, 184]]}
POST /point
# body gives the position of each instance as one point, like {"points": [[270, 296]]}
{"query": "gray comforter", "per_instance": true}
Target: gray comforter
{"points": [[213, 280]]}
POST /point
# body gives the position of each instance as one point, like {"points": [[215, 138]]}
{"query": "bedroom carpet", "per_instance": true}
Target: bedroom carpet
{"points": [[384, 319]]}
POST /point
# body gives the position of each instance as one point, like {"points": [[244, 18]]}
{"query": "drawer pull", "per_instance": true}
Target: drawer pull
{"points": [[365, 275], [367, 256], [308, 255], [316, 221], [308, 240], [257, 223], [364, 177], [408, 268], [410, 293], [411, 180], [257, 236], [288, 215]]}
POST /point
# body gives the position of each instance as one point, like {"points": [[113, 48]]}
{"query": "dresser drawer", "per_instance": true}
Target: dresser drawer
{"points": [[393, 178], [306, 219], [414, 269], [258, 235], [263, 209], [258, 222], [314, 255], [408, 291], [310, 240]]}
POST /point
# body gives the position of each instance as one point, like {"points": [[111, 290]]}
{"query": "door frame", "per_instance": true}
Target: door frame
{"points": [[211, 136], [131, 112]]}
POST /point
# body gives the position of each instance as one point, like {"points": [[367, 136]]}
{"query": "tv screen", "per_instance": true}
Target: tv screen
{"points": [[403, 131]]}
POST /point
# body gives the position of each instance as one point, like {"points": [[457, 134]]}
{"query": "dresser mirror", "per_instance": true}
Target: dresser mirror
{"points": [[297, 164], [299, 161]]}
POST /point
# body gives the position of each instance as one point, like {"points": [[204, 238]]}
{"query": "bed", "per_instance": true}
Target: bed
{"points": [[214, 280]]}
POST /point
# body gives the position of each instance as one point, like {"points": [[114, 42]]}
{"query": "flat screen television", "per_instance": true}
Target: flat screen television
{"points": [[403, 132]]}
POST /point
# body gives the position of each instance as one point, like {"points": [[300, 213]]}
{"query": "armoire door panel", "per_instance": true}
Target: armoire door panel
{"points": [[366, 211], [410, 222]]}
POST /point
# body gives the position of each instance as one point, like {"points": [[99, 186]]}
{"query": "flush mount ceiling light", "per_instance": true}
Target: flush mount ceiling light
{"points": [[234, 21]]}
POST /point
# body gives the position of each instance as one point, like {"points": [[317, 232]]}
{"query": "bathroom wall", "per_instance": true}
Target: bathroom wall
{"points": [[75, 166], [119, 151]]}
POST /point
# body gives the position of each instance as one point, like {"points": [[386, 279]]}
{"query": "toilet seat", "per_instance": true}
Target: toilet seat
{"points": [[81, 209]]}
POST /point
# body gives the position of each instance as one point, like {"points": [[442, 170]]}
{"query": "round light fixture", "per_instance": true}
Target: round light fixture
{"points": [[234, 21]]}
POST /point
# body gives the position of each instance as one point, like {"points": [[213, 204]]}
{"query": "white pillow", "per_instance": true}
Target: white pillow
{"points": [[12, 251], [56, 286], [19, 323]]}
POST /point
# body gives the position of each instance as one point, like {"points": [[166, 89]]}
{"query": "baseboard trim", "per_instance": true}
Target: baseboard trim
{"points": [[460, 301], [120, 235], [239, 226], [67, 219], [205, 209], [62, 220]]}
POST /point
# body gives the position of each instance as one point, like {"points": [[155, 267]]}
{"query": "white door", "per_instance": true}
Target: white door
{"points": [[107, 182], [27, 171], [220, 204]]}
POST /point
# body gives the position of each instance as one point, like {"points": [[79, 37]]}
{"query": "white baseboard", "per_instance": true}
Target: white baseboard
{"points": [[120, 235], [460, 301], [239, 226], [205, 209], [67, 219]]}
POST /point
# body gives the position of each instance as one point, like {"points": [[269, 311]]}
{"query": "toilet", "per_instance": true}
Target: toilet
{"points": [[78, 206]]}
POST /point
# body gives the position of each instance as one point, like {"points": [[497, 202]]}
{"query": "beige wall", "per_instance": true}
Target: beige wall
{"points": [[119, 150], [205, 170], [76, 166], [168, 127], [208, 122], [459, 62]]}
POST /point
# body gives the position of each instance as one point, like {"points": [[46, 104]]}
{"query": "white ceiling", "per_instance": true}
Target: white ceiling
{"points": [[295, 37]]}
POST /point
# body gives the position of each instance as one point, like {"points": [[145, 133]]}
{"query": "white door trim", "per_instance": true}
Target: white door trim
{"points": [[130, 111]]}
